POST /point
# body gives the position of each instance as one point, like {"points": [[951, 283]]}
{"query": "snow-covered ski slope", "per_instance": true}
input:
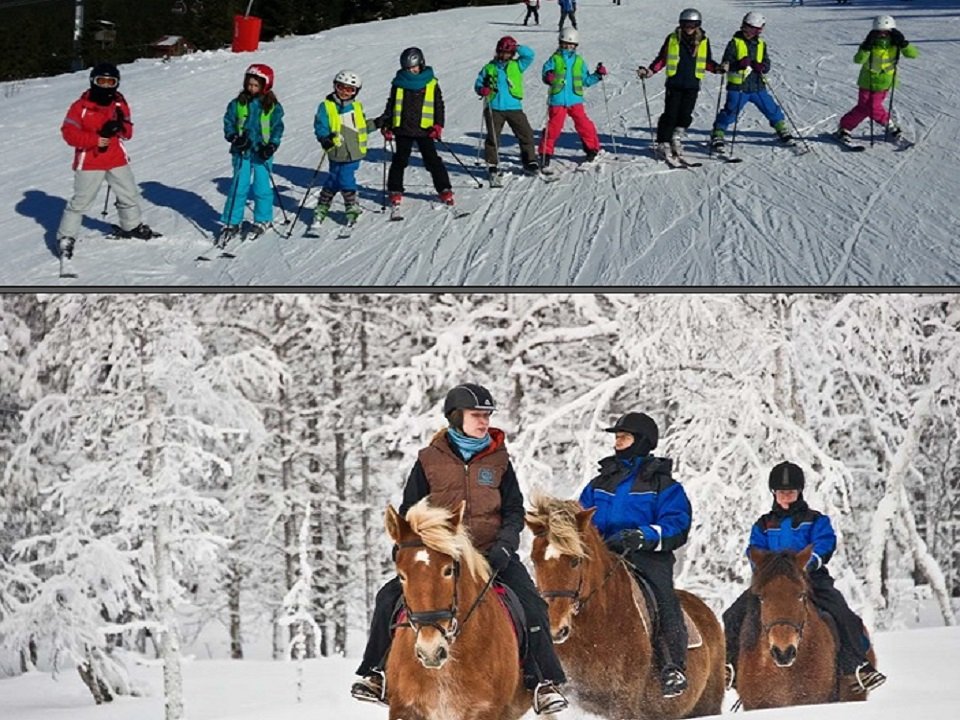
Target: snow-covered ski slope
{"points": [[827, 218]]}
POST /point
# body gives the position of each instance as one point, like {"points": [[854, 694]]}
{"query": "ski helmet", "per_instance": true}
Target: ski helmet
{"points": [[884, 22], [468, 396], [264, 73], [643, 428], [348, 78], [412, 57], [507, 44], [786, 476], [104, 70], [570, 35], [690, 15], [754, 19]]}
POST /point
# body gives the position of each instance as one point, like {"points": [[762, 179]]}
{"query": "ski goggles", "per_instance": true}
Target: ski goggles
{"points": [[565, 44], [340, 87], [687, 24], [105, 81]]}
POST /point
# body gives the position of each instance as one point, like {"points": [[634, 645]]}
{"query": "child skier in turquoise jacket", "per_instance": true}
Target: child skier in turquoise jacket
{"points": [[253, 125], [341, 128]]}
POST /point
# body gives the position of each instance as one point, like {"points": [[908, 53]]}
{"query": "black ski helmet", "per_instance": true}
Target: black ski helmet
{"points": [[468, 396], [104, 69], [786, 476], [643, 428], [412, 57]]}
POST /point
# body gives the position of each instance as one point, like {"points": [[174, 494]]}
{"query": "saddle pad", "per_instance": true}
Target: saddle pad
{"points": [[644, 600]]}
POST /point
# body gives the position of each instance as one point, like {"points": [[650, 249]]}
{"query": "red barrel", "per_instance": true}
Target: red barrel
{"points": [[246, 33]]}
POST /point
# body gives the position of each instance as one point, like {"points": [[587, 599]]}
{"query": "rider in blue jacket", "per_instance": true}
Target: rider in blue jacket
{"points": [[644, 515], [792, 525]]}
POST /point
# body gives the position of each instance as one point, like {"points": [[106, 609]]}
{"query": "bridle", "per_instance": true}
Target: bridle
{"points": [[798, 626], [578, 602], [434, 618]]}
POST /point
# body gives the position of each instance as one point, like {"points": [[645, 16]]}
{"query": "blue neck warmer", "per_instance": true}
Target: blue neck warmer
{"points": [[467, 445], [413, 81]]}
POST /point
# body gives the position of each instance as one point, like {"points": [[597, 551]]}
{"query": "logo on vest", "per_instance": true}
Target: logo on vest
{"points": [[485, 477]]}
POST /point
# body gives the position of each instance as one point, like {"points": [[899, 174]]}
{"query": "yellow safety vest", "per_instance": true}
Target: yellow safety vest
{"points": [[736, 77], [560, 74], [243, 112], [673, 56], [426, 117], [514, 77], [333, 116]]}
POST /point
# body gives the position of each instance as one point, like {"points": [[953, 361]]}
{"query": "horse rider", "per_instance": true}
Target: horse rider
{"points": [[793, 525], [644, 515], [494, 516]]}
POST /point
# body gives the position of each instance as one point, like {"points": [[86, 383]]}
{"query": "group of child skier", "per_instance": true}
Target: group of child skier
{"points": [[99, 121]]}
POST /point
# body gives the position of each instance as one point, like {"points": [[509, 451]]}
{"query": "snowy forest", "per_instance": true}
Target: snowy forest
{"points": [[180, 464]]}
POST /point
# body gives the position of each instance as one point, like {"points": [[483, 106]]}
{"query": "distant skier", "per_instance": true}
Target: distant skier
{"points": [[686, 55], [533, 10], [415, 114], [746, 60], [879, 54], [566, 73], [568, 9], [341, 128], [500, 84], [95, 126], [253, 125]]}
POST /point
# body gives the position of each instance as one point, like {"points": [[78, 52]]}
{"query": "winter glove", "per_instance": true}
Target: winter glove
{"points": [[867, 43], [724, 66], [549, 77], [241, 143], [328, 141], [813, 563], [601, 70], [387, 133], [499, 557], [484, 91], [435, 132], [743, 63], [266, 151], [757, 67], [643, 72], [897, 38], [111, 128], [626, 541]]}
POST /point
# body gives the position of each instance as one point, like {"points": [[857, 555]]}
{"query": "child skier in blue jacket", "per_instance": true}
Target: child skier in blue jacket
{"points": [[341, 128], [644, 515], [253, 125]]}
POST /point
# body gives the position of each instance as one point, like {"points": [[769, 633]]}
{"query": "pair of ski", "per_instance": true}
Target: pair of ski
{"points": [[900, 143], [65, 250], [228, 245], [345, 231], [396, 214]]}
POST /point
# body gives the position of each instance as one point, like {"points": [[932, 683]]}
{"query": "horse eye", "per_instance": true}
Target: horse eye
{"points": [[574, 562], [448, 571], [402, 576]]}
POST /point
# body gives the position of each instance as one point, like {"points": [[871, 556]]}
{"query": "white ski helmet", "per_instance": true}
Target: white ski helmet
{"points": [[754, 19], [570, 35], [884, 22], [691, 15], [349, 78]]}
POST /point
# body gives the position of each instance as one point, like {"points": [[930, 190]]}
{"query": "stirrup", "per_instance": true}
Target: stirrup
{"points": [[673, 682], [868, 678], [729, 676], [552, 701], [371, 688]]}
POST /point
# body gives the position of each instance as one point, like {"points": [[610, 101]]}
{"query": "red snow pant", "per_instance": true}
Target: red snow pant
{"points": [[556, 115], [869, 104]]}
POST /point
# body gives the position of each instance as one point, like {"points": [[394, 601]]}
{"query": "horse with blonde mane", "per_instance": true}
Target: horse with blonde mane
{"points": [[601, 623], [456, 654]]}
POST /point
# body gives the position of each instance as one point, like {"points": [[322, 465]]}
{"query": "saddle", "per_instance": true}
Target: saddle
{"points": [[646, 602]]}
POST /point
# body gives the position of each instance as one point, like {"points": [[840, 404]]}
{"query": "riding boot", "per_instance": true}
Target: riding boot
{"points": [[380, 638]]}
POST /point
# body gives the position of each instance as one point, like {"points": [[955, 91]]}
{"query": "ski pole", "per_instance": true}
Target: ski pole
{"points": [[796, 129], [893, 88], [106, 201], [543, 133], [871, 117], [276, 192], [480, 134], [492, 130], [233, 195], [606, 104], [733, 138], [383, 202], [653, 138], [719, 98], [460, 162], [323, 156]]}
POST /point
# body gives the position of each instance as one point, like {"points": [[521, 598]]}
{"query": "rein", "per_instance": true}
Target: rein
{"points": [[578, 602]]}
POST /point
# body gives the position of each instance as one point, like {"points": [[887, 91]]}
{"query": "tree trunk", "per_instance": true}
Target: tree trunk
{"points": [[233, 606]]}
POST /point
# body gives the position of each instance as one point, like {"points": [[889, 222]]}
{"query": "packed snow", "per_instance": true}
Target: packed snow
{"points": [[881, 217]]}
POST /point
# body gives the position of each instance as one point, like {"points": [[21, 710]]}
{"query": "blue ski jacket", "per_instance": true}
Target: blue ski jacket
{"points": [[793, 530]]}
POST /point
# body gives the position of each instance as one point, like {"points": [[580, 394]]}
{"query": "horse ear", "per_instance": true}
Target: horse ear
{"points": [[803, 557], [536, 526], [584, 518], [757, 556], [393, 522]]}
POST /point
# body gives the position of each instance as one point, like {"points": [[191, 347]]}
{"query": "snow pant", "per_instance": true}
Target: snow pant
{"points": [[517, 120], [853, 642], [245, 166], [540, 663], [432, 161], [556, 115], [869, 104], [86, 183], [342, 178], [670, 642], [572, 15], [535, 12], [737, 100], [678, 107]]}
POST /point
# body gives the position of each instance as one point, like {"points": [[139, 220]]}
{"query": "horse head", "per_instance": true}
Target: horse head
{"points": [[564, 546], [782, 587], [433, 549]]}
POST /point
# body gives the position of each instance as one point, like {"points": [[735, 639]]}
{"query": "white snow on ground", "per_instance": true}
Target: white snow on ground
{"points": [[827, 218], [921, 665]]}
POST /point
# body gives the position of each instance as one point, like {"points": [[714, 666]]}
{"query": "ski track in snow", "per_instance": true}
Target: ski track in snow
{"points": [[827, 217]]}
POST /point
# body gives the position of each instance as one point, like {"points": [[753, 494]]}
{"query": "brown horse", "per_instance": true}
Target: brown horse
{"points": [[457, 655], [601, 624], [788, 652]]}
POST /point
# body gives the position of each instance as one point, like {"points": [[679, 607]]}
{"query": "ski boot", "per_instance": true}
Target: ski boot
{"points": [[353, 212], [446, 197], [494, 177], [227, 233], [256, 230], [66, 245]]}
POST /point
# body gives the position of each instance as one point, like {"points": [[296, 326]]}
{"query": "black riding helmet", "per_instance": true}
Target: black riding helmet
{"points": [[468, 396], [786, 476], [412, 57], [643, 428]]}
